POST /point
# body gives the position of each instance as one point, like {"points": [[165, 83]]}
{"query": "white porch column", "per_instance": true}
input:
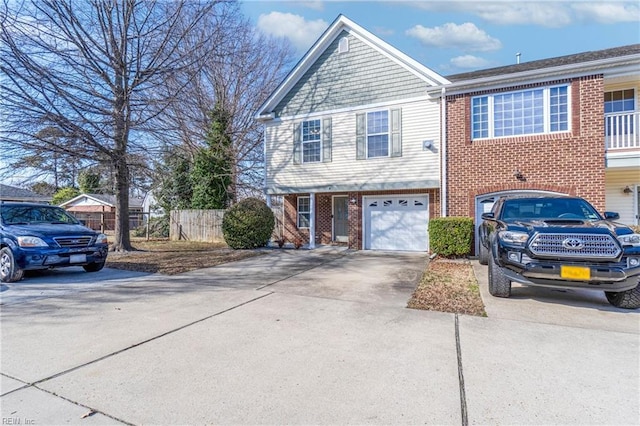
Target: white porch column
{"points": [[268, 200], [312, 220]]}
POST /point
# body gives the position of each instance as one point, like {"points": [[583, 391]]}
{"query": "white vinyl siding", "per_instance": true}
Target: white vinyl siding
{"points": [[616, 200], [420, 121]]}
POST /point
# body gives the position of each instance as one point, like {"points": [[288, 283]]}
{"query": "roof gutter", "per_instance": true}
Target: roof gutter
{"points": [[627, 64]]}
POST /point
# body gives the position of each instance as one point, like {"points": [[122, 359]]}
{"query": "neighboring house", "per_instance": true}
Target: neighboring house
{"points": [[566, 125], [364, 152], [150, 205], [352, 142], [12, 193], [98, 211]]}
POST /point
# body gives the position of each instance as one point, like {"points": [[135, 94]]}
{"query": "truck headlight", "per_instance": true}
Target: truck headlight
{"points": [[630, 240], [513, 237], [102, 239], [31, 242]]}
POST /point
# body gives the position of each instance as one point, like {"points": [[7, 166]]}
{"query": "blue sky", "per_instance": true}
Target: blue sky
{"points": [[459, 36]]}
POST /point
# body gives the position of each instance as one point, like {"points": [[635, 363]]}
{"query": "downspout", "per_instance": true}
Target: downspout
{"points": [[264, 153], [443, 152]]}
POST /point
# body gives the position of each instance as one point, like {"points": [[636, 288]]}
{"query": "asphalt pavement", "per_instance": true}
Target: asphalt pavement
{"points": [[307, 337]]}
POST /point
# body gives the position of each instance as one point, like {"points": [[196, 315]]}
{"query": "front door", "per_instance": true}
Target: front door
{"points": [[341, 219]]}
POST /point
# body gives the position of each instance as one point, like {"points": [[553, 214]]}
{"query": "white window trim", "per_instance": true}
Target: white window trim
{"points": [[298, 212], [546, 111], [303, 142], [388, 133]]}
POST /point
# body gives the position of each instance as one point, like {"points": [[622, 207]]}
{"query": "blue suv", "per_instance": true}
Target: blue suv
{"points": [[40, 236]]}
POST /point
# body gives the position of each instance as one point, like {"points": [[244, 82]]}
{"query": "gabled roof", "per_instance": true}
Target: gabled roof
{"points": [[620, 60], [104, 199], [12, 193], [342, 23]]}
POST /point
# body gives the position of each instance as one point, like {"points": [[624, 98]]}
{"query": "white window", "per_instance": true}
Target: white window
{"points": [[618, 106], [378, 134], [311, 141], [526, 112], [304, 212]]}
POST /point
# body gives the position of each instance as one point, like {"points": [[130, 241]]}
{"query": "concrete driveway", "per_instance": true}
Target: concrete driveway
{"points": [[301, 337]]}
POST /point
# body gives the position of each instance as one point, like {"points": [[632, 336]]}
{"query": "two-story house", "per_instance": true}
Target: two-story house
{"points": [[352, 143], [567, 125], [365, 144]]}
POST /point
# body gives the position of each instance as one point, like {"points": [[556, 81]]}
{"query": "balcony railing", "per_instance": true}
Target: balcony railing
{"points": [[622, 130]]}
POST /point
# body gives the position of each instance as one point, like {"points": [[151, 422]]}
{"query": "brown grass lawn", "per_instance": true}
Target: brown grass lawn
{"points": [[448, 286], [174, 257]]}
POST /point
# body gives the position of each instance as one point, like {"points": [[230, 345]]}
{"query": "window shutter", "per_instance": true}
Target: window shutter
{"points": [[297, 143], [396, 132], [326, 140], [361, 136]]}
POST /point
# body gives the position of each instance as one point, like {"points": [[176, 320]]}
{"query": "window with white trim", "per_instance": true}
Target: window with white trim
{"points": [[378, 134], [304, 212], [526, 112], [617, 106], [311, 141]]}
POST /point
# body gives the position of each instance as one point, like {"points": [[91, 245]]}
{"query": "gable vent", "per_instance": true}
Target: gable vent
{"points": [[343, 45]]}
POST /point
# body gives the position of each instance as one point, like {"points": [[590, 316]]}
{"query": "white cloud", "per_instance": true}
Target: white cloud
{"points": [[607, 13], [469, 61], [543, 13], [300, 32], [466, 36]]}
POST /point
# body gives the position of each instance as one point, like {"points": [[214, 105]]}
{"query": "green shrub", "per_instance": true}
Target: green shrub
{"points": [[451, 236], [248, 224]]}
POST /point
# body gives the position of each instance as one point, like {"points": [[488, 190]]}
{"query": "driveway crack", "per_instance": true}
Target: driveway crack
{"points": [[463, 396]]}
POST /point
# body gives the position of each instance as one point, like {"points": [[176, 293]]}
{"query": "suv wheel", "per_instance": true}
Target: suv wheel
{"points": [[629, 299], [94, 267], [9, 270], [499, 283], [483, 255]]}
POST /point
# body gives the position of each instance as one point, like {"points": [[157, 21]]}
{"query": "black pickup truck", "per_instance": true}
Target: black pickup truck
{"points": [[560, 242]]}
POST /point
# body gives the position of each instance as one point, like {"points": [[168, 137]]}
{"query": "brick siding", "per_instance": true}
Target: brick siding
{"points": [[572, 162]]}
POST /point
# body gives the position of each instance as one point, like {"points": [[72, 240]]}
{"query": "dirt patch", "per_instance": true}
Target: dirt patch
{"points": [[175, 257], [448, 286]]}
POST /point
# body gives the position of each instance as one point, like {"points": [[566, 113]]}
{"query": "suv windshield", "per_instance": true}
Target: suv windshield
{"points": [[544, 209], [12, 215]]}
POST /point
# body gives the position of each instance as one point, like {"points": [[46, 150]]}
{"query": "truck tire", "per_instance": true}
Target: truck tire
{"points": [[9, 270], [629, 299], [499, 283], [483, 255]]}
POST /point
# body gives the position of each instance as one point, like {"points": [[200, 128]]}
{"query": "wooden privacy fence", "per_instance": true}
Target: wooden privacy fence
{"points": [[196, 225]]}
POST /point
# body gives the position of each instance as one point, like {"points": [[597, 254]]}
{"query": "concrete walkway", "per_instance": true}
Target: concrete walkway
{"points": [[303, 337]]}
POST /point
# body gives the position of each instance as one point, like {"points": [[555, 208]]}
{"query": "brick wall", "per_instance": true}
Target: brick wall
{"points": [[572, 162], [324, 221]]}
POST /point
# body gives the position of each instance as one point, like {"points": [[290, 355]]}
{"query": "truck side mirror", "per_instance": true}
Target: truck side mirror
{"points": [[611, 216], [488, 215]]}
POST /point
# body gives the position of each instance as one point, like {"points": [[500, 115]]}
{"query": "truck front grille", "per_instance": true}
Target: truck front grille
{"points": [[73, 242], [601, 246]]}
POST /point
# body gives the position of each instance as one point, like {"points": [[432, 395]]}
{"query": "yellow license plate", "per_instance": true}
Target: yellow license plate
{"points": [[575, 273]]}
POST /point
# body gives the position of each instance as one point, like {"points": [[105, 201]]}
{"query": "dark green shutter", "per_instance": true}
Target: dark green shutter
{"points": [[361, 136], [297, 143], [396, 132], [326, 140]]}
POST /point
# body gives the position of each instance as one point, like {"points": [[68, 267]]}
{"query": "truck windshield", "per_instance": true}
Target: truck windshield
{"points": [[12, 215], [545, 209]]}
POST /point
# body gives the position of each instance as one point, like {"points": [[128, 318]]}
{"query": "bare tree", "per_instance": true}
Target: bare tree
{"points": [[245, 69], [96, 71]]}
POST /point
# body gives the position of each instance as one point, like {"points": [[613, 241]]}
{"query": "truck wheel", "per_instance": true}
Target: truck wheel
{"points": [[483, 255], [9, 270], [629, 299], [499, 283], [94, 267]]}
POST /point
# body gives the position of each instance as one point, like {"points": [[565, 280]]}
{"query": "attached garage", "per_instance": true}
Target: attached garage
{"points": [[396, 222]]}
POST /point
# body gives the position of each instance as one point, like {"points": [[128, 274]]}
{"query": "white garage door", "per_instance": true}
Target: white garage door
{"points": [[397, 222]]}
